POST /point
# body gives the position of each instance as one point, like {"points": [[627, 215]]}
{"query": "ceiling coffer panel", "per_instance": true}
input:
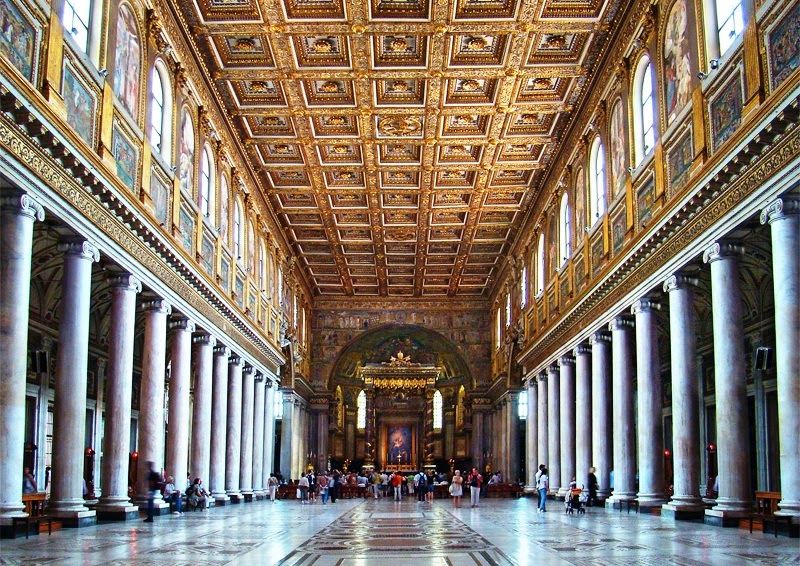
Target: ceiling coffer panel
{"points": [[401, 142]]}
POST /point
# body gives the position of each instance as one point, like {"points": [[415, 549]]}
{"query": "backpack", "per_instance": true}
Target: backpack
{"points": [[423, 480], [474, 481]]}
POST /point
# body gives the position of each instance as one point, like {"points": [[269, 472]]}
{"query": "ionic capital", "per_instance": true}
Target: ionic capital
{"points": [[182, 323], [222, 350], [125, 282], [600, 337], [554, 369], [567, 360], [722, 250], [678, 282], [160, 306], [80, 247], [621, 323], [645, 305], [206, 339], [781, 208], [23, 204], [234, 360], [247, 369], [542, 378], [582, 350]]}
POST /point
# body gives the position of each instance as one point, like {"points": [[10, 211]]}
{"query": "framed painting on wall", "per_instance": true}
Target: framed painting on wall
{"points": [[726, 111], [784, 47]]}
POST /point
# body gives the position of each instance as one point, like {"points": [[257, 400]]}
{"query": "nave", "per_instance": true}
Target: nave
{"points": [[359, 532]]}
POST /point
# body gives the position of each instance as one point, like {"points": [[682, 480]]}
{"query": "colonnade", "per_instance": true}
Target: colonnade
{"points": [[588, 394], [221, 433]]}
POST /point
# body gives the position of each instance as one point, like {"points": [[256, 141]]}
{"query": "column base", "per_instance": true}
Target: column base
{"points": [[76, 519], [159, 507], [529, 490], [682, 512], [117, 512], [647, 504], [221, 499], [563, 492], [621, 501], [235, 497], [724, 518], [248, 496], [259, 495]]}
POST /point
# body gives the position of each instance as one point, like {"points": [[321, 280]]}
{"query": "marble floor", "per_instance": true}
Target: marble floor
{"points": [[361, 532]]}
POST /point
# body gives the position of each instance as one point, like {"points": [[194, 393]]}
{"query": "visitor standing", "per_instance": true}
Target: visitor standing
{"points": [[28, 481], [152, 478], [322, 486], [542, 485], [591, 483], [302, 485], [272, 483], [475, 482], [457, 489], [397, 485]]}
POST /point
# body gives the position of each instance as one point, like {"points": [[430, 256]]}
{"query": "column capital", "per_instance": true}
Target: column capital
{"points": [[222, 350], [204, 339], [679, 281], [600, 337], [269, 384], [182, 323], [531, 382], [553, 368], [23, 204], [645, 304], [621, 322], [542, 378], [126, 282], [247, 369], [567, 360], [259, 377], [722, 250], [160, 306], [234, 360], [80, 247], [582, 350], [781, 208]]}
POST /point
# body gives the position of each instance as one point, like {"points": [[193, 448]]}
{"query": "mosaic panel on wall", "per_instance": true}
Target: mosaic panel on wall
{"points": [[18, 39], [127, 61], [726, 111], [80, 105], [677, 61], [125, 156], [784, 47], [679, 163]]}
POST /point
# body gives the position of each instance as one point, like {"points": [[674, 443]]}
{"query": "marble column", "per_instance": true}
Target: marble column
{"points": [[258, 438], [583, 413], [219, 423], [783, 215], [730, 385], [532, 435], [650, 407], [246, 463], [179, 401], [623, 420], [554, 427], [114, 503], [369, 431], [477, 439], [269, 429], [151, 398], [567, 433], [323, 428], [542, 451], [17, 215], [685, 502], [69, 419], [602, 453], [287, 434], [233, 446], [512, 418], [201, 416]]}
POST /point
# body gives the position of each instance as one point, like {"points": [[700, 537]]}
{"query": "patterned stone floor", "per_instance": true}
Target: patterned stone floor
{"points": [[354, 532]]}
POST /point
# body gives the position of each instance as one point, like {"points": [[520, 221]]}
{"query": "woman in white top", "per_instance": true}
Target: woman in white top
{"points": [[457, 489]]}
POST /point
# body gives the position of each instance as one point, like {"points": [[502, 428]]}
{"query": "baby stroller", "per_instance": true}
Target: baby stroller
{"points": [[573, 501]]}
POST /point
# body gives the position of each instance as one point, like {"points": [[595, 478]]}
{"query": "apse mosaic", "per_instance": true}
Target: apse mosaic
{"points": [[392, 98]]}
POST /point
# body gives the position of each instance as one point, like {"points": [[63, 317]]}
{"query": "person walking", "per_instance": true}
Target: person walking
{"points": [[272, 484], [422, 486], [475, 481], [543, 485], [152, 478], [322, 486], [591, 483], [397, 484]]}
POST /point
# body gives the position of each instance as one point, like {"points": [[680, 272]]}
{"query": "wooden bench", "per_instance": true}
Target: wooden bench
{"points": [[503, 490], [34, 507], [766, 504]]}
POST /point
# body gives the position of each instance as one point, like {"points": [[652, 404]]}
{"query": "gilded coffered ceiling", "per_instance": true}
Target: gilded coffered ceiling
{"points": [[400, 142]]}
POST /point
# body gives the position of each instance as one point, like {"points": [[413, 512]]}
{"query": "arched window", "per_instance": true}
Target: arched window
{"points": [[522, 407], [565, 230], [523, 287], [597, 181], [207, 185], [161, 112], [278, 404], [262, 268], [238, 229], [437, 409], [462, 394], [80, 17], [223, 209], [540, 266], [644, 110], [725, 21], [361, 406], [508, 309]]}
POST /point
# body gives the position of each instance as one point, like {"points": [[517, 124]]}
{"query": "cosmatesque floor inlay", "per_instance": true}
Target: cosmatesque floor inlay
{"points": [[355, 532]]}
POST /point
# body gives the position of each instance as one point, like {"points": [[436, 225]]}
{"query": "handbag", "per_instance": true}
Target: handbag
{"points": [[451, 488]]}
